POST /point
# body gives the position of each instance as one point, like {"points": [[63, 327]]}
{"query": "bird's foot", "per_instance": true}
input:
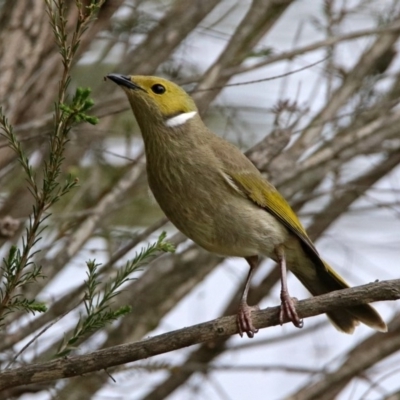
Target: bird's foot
{"points": [[288, 310], [244, 320]]}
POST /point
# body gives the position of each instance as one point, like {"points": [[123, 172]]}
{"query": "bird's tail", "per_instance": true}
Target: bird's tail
{"points": [[345, 319]]}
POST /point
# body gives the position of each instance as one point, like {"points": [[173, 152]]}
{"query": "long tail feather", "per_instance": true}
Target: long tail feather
{"points": [[346, 320]]}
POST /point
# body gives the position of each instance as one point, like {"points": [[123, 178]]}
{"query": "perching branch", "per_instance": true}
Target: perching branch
{"points": [[211, 330]]}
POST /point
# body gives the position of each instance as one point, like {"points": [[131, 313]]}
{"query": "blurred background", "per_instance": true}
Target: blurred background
{"points": [[308, 89]]}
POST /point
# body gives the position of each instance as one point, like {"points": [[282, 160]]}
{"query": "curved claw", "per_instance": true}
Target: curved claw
{"points": [[288, 311], [244, 320]]}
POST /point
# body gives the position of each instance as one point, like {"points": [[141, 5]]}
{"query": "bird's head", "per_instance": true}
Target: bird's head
{"points": [[156, 101]]}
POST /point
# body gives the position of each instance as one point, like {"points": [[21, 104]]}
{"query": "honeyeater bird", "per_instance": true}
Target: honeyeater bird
{"points": [[213, 194]]}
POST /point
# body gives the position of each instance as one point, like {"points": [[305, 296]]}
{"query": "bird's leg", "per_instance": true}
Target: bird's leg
{"points": [[288, 309], [244, 321]]}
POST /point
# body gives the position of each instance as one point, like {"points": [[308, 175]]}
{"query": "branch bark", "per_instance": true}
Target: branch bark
{"points": [[261, 17], [225, 326], [166, 36], [351, 84]]}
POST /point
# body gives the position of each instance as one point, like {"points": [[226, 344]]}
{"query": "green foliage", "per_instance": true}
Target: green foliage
{"points": [[19, 268], [80, 103], [14, 277], [97, 301]]}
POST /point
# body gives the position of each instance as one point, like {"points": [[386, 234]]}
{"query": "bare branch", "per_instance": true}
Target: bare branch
{"points": [[167, 35], [330, 41], [225, 326], [260, 18], [339, 98]]}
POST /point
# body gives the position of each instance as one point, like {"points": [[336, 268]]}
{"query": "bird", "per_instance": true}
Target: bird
{"points": [[215, 195]]}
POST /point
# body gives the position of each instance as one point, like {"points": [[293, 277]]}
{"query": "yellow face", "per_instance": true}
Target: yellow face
{"points": [[156, 95]]}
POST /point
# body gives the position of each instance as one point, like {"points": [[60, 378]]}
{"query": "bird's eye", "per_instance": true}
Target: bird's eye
{"points": [[158, 89]]}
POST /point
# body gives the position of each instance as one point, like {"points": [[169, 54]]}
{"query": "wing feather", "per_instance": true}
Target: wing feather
{"points": [[262, 193]]}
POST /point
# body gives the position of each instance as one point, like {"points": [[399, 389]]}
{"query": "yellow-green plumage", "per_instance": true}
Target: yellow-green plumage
{"points": [[316, 275], [215, 195]]}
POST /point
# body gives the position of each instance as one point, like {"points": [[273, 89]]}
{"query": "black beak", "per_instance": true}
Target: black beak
{"points": [[123, 80]]}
